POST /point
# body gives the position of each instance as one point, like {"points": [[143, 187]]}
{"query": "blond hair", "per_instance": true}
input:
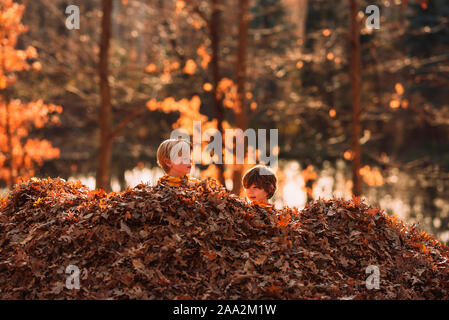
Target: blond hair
{"points": [[164, 152]]}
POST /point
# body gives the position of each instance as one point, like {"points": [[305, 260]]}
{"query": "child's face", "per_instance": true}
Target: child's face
{"points": [[255, 194], [179, 166]]}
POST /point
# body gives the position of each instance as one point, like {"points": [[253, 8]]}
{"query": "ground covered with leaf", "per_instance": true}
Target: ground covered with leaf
{"points": [[200, 242]]}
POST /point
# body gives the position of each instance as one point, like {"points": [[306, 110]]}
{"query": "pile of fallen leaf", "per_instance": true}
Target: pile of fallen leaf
{"points": [[200, 242]]}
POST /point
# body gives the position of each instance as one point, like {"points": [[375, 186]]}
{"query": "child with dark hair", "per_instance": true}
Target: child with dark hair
{"points": [[260, 185]]}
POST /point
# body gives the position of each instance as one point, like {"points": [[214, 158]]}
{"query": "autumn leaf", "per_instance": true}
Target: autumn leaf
{"points": [[215, 241], [190, 67]]}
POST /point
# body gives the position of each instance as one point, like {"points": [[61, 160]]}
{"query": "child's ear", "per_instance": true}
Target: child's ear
{"points": [[168, 163]]}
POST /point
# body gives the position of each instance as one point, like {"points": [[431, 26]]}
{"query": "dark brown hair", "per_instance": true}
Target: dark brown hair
{"points": [[261, 177]]}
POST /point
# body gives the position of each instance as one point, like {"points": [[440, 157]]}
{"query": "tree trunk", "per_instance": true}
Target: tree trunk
{"points": [[240, 108], [398, 136], [104, 152], [302, 18], [355, 80], [297, 14], [121, 179], [215, 69]]}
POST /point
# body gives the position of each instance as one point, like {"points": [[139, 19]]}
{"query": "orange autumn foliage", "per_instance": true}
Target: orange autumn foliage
{"points": [[227, 90], [372, 176], [12, 60], [190, 67], [20, 154], [205, 57], [189, 111]]}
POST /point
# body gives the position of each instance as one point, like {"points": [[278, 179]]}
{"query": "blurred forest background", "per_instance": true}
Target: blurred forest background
{"points": [[94, 104]]}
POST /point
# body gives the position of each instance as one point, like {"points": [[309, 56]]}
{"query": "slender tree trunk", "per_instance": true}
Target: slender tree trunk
{"points": [[398, 135], [355, 80], [121, 179], [297, 14], [241, 116], [215, 69], [104, 152], [302, 18]]}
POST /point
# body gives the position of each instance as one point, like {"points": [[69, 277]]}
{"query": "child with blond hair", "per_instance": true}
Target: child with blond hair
{"points": [[174, 157]]}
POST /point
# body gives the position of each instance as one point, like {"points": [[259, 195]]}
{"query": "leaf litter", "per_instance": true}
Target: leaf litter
{"points": [[158, 243]]}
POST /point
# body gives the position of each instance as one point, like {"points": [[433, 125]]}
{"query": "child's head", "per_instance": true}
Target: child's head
{"points": [[173, 156], [259, 183]]}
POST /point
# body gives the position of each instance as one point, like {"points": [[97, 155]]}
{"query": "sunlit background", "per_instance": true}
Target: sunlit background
{"points": [[172, 62]]}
